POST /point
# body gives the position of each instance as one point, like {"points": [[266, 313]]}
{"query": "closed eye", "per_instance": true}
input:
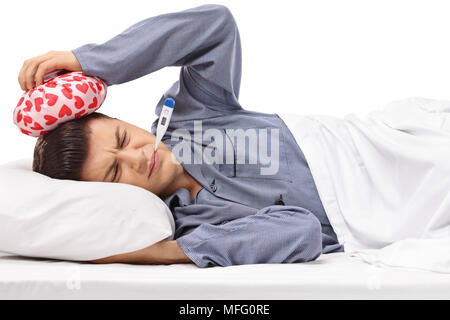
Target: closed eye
{"points": [[124, 138]]}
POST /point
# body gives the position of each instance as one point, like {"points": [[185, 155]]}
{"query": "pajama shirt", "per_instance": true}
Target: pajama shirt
{"points": [[241, 215]]}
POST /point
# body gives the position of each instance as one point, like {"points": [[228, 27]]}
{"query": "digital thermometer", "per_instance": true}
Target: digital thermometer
{"points": [[164, 119]]}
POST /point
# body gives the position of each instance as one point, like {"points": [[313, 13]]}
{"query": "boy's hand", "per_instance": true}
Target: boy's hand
{"points": [[162, 252], [33, 69]]}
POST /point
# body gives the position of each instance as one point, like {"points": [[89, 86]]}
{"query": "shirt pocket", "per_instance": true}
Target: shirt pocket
{"points": [[218, 152], [254, 153]]}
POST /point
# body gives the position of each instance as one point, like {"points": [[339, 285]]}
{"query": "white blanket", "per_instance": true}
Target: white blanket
{"points": [[384, 180]]}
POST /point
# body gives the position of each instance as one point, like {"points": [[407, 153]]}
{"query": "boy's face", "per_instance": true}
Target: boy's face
{"points": [[133, 158]]}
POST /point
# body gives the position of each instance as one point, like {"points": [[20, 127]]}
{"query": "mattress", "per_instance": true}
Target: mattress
{"points": [[331, 276]]}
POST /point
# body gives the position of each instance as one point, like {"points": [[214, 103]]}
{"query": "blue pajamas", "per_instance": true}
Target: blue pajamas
{"points": [[239, 216]]}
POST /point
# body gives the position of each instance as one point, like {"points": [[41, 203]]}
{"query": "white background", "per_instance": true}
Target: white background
{"points": [[308, 57]]}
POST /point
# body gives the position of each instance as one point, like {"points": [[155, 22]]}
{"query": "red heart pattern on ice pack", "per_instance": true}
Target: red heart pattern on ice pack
{"points": [[79, 103], [60, 99], [51, 99], [37, 103], [82, 87], [50, 120]]}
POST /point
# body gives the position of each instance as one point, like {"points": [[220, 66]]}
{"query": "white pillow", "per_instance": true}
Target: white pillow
{"points": [[76, 220]]}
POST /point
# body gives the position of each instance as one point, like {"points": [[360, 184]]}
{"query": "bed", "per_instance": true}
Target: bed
{"points": [[331, 276]]}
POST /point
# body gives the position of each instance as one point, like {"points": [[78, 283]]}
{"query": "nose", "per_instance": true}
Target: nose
{"points": [[136, 159]]}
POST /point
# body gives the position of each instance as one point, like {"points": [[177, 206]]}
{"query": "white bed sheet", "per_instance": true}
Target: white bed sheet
{"points": [[332, 276]]}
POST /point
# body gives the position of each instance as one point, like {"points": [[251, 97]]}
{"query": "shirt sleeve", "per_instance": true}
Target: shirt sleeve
{"points": [[204, 39], [275, 234]]}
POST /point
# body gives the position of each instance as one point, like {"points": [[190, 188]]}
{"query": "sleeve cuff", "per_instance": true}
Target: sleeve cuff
{"points": [[187, 251], [80, 55]]}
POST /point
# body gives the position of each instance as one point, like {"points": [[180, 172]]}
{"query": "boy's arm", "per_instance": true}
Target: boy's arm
{"points": [[204, 39], [275, 234], [162, 252]]}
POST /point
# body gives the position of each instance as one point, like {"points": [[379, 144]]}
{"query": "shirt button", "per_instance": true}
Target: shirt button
{"points": [[213, 186], [280, 201]]}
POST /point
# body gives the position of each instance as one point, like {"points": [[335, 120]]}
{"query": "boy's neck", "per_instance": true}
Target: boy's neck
{"points": [[186, 181]]}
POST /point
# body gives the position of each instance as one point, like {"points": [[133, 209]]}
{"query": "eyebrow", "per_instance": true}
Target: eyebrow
{"points": [[117, 134]]}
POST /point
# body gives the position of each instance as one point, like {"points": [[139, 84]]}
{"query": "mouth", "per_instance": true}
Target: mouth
{"points": [[154, 163]]}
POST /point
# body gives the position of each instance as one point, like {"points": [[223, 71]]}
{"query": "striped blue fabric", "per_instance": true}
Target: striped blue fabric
{"points": [[239, 216]]}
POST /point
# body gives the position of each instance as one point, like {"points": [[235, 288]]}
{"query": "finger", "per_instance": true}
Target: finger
{"points": [[42, 69], [21, 77], [29, 77], [29, 68]]}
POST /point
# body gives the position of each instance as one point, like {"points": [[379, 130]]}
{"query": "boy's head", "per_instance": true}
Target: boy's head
{"points": [[85, 148]]}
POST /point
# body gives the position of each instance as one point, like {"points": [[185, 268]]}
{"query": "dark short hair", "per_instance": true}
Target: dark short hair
{"points": [[60, 153]]}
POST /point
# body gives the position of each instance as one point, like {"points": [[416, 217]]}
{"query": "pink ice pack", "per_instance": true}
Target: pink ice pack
{"points": [[63, 98]]}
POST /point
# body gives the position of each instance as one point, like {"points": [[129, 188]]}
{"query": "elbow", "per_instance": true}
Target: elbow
{"points": [[224, 15], [221, 10], [313, 241]]}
